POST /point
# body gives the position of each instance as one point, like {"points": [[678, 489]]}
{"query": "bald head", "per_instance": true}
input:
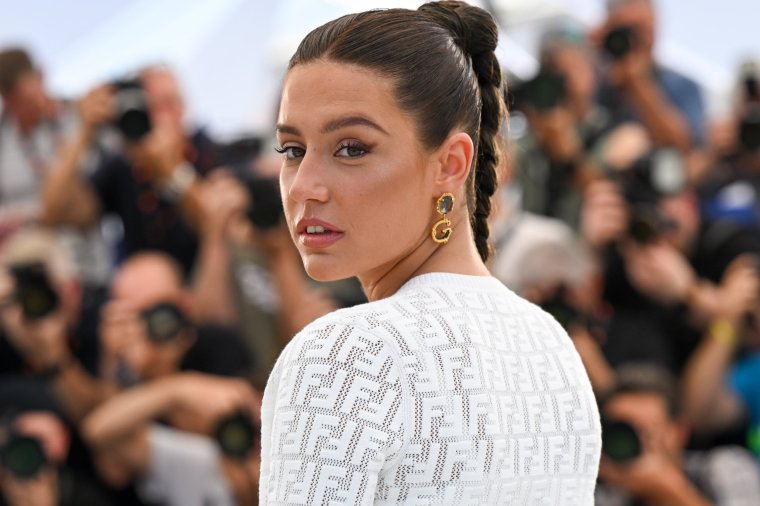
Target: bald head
{"points": [[147, 278]]}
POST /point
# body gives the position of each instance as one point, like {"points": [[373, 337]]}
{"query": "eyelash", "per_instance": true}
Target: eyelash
{"points": [[288, 151]]}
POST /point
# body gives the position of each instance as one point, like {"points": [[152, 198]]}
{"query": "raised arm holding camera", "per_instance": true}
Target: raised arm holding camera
{"points": [[667, 103], [181, 464], [154, 186]]}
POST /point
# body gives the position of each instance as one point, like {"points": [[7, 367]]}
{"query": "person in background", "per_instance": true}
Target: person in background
{"points": [[153, 187], [643, 450], [664, 266], [554, 160], [34, 126], [179, 464], [636, 87], [148, 329], [48, 331]]}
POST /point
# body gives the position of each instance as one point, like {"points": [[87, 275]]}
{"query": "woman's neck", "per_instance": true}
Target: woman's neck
{"points": [[459, 256]]}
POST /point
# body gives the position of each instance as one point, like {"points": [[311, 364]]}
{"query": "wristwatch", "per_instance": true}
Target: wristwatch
{"points": [[182, 178]]}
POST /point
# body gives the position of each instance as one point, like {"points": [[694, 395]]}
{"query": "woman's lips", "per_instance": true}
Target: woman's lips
{"points": [[316, 233]]}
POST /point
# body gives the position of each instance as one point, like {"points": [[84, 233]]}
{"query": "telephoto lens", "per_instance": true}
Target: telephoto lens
{"points": [[620, 441], [236, 435], [34, 292], [619, 41], [23, 456], [164, 322]]}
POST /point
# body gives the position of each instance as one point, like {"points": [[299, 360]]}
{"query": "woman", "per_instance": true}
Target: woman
{"points": [[446, 388]]}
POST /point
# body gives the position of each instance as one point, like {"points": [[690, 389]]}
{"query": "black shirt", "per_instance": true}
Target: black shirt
{"points": [[151, 222]]}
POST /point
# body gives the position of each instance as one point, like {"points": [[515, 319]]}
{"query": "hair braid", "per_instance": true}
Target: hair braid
{"points": [[476, 33]]}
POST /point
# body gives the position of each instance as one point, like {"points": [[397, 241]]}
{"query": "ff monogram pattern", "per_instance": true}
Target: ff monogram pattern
{"points": [[452, 391]]}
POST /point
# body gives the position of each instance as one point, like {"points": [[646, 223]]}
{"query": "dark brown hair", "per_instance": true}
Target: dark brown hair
{"points": [[445, 73], [14, 63]]}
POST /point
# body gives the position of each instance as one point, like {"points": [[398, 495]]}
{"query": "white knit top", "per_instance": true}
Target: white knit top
{"points": [[452, 391]]}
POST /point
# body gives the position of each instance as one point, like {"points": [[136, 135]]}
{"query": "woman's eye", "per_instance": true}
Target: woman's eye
{"points": [[291, 152], [351, 151]]}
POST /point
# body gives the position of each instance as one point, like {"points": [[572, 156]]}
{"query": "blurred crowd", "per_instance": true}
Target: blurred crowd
{"points": [[148, 281]]}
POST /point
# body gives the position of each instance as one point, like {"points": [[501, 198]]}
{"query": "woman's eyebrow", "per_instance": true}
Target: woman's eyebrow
{"points": [[347, 121]]}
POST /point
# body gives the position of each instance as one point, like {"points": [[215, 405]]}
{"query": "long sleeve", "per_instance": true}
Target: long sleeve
{"points": [[333, 416]]}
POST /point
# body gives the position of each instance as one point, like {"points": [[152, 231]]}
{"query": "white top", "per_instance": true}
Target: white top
{"points": [[452, 391]]}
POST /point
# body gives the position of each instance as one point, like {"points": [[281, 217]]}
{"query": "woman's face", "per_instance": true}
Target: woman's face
{"points": [[357, 194]]}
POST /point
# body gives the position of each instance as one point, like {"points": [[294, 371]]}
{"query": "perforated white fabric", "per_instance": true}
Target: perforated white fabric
{"points": [[452, 391]]}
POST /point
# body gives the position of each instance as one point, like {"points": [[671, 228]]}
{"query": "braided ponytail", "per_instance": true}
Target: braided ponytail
{"points": [[476, 33]]}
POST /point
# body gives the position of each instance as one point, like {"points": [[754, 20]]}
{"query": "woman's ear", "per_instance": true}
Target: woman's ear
{"points": [[454, 159]]}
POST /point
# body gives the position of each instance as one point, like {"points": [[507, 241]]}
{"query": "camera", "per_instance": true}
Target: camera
{"points": [[619, 41], [545, 91], [655, 175], [749, 129], [34, 292], [265, 211], [164, 322], [620, 441], [236, 435], [132, 114], [23, 456]]}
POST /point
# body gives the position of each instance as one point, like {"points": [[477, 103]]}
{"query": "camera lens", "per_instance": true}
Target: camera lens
{"points": [[164, 321], [618, 41], [34, 292], [236, 435], [620, 441], [23, 456]]}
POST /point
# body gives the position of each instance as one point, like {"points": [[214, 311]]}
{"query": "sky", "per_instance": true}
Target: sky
{"points": [[231, 54]]}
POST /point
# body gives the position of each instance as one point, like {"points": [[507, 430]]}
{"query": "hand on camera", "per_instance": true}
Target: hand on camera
{"points": [[658, 270], [41, 490], [161, 152], [604, 215], [42, 342], [224, 200], [200, 401], [739, 288], [96, 107]]}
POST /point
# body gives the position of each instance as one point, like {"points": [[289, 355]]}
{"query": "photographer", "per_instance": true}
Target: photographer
{"points": [[153, 187], [731, 186], [553, 159], [643, 457], [148, 329], [663, 264], [249, 273], [34, 444], [47, 328], [33, 128], [180, 464], [668, 104]]}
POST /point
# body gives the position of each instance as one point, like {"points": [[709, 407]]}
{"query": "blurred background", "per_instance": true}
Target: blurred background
{"points": [[148, 281], [230, 54]]}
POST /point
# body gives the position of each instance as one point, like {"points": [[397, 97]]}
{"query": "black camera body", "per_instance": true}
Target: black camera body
{"points": [[620, 441], [237, 435], [164, 322], [749, 129], [558, 307], [619, 41], [23, 456], [132, 114], [655, 175], [34, 291], [265, 211]]}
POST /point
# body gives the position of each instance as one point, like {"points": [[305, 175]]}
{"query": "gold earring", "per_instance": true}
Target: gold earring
{"points": [[444, 206]]}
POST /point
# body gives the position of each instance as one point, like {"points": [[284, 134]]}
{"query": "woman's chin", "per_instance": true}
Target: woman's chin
{"points": [[324, 269]]}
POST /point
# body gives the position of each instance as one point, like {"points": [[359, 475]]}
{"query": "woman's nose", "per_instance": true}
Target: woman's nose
{"points": [[308, 182]]}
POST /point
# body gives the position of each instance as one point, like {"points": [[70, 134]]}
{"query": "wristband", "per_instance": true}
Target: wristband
{"points": [[182, 178], [724, 332]]}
